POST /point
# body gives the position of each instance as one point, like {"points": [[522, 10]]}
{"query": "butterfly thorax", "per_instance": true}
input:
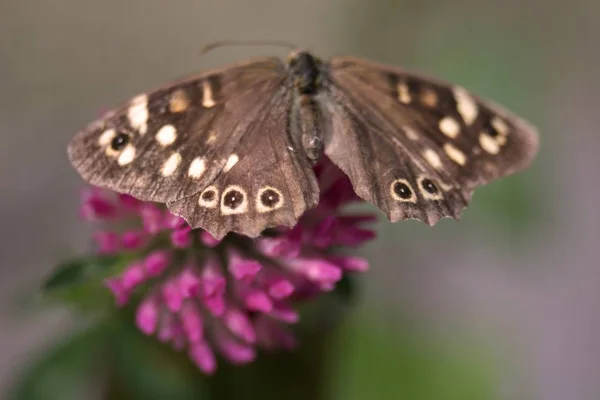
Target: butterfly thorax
{"points": [[306, 72]]}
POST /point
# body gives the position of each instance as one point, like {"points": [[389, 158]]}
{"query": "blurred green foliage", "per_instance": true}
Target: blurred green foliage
{"points": [[377, 362], [65, 370], [78, 282], [360, 360], [112, 360]]}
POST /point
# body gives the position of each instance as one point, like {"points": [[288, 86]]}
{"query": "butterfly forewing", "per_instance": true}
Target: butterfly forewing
{"points": [[429, 138], [172, 142]]}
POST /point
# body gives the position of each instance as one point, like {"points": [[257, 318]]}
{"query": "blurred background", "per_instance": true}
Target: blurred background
{"points": [[504, 304]]}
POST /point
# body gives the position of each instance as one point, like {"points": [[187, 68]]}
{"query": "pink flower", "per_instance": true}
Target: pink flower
{"points": [[235, 295]]}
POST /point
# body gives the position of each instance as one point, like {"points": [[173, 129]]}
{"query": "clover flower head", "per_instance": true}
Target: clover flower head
{"points": [[230, 296]]}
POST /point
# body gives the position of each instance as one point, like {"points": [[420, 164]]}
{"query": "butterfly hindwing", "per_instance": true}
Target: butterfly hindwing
{"points": [[393, 130], [268, 180], [172, 142]]}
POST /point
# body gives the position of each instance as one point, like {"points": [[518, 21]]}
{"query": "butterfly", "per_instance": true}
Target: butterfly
{"points": [[233, 149]]}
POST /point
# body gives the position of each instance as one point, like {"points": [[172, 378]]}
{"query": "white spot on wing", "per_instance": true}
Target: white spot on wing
{"points": [[137, 114], [207, 95], [411, 133], [500, 125], [212, 137], [429, 98], [501, 140], [489, 144], [455, 154], [106, 137], [403, 93], [197, 168], [179, 101], [449, 127], [445, 186], [166, 135], [263, 208], [127, 155], [432, 158], [171, 165], [465, 105], [231, 161], [226, 210]]}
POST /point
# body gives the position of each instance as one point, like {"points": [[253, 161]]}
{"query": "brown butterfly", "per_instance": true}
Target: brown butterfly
{"points": [[233, 149]]}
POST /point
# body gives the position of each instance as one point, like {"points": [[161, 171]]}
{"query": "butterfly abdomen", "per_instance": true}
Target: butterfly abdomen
{"points": [[310, 124]]}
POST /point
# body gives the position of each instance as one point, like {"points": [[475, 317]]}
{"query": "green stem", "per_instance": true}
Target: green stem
{"points": [[301, 374]]}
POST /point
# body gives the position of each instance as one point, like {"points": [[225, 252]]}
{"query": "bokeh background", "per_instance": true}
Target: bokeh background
{"points": [[501, 305]]}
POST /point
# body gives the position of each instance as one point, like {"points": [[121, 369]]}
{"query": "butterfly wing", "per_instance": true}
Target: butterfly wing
{"points": [[414, 146], [173, 142], [268, 180]]}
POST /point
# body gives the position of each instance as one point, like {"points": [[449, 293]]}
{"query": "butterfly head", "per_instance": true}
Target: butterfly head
{"points": [[306, 71]]}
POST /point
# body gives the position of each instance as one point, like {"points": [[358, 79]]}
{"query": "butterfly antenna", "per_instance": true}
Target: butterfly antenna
{"points": [[224, 43]]}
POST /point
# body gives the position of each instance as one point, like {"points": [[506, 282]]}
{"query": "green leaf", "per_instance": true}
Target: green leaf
{"points": [[289, 375], [68, 370], [112, 358], [346, 289], [78, 271], [144, 368], [79, 282]]}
